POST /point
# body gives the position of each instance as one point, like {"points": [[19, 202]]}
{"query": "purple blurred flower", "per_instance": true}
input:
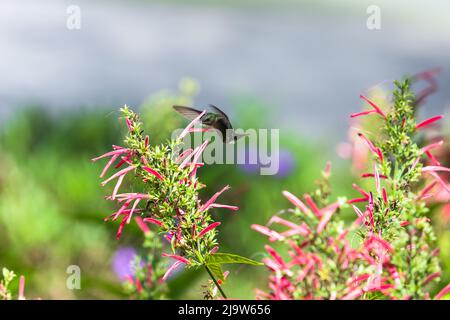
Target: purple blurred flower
{"points": [[122, 262], [286, 163]]}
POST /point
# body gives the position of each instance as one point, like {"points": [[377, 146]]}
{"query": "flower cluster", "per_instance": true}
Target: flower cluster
{"points": [[5, 293], [396, 256], [144, 274], [171, 197], [322, 263]]}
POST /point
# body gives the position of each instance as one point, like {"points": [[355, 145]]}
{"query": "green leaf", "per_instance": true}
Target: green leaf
{"points": [[220, 258], [216, 269]]}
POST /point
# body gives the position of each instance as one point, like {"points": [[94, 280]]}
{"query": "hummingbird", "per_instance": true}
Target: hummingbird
{"points": [[217, 120]]}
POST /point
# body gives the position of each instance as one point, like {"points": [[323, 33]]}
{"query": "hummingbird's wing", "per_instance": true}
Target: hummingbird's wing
{"points": [[187, 112], [223, 116]]}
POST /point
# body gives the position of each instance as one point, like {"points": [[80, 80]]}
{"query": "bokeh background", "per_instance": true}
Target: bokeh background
{"points": [[294, 65]]}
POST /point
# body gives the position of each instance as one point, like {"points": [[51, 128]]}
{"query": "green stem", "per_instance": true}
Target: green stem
{"points": [[215, 282]]}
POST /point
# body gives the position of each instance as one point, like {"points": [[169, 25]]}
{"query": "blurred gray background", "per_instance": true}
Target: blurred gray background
{"points": [[309, 60]]}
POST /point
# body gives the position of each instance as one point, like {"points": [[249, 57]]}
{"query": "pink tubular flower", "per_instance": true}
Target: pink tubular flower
{"points": [[294, 228], [368, 142], [375, 150], [385, 198], [295, 201], [376, 108], [360, 190], [440, 181], [127, 198], [327, 170], [225, 206], [118, 151], [183, 155], [121, 226], [358, 212], [324, 220], [154, 221], [177, 257], [199, 152], [432, 146], [21, 288], [275, 255], [377, 178], [190, 125], [443, 292], [431, 277], [273, 235], [214, 250], [435, 169], [213, 199], [141, 224], [428, 122], [432, 158], [312, 205], [208, 229], [426, 189], [153, 172], [120, 173], [427, 150], [354, 294], [363, 113], [171, 269], [372, 239]]}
